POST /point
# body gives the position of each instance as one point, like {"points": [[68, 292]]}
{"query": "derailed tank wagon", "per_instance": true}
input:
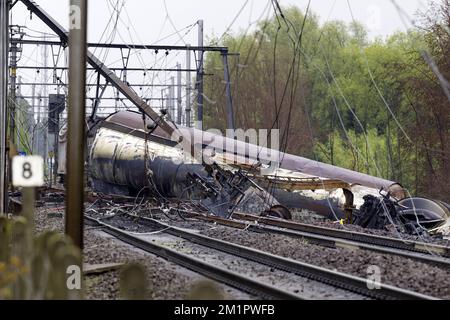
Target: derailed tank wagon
{"points": [[132, 156]]}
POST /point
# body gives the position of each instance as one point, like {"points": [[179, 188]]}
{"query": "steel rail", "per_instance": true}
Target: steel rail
{"points": [[328, 240], [225, 276], [334, 278], [406, 245]]}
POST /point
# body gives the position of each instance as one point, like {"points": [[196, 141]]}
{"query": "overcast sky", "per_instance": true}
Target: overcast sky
{"points": [[149, 19]]}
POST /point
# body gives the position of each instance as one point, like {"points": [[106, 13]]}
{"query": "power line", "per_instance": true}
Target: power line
{"points": [[172, 23], [372, 79], [425, 54], [233, 21], [430, 62]]}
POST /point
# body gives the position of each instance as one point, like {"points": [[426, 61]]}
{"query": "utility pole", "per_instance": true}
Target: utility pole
{"points": [[12, 106], [172, 98], [200, 77], [168, 107], [117, 100], [19, 87], [56, 106], [179, 110], [4, 49], [76, 121], [230, 112], [188, 86], [55, 151], [37, 128]]}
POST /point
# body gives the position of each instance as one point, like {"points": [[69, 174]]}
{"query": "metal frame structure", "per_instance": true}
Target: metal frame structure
{"points": [[200, 49], [77, 78]]}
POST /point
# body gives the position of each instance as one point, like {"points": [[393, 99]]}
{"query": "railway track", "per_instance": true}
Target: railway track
{"points": [[336, 279], [406, 245], [330, 237], [222, 275], [335, 238]]}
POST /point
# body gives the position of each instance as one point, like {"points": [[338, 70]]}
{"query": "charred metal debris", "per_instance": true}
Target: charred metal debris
{"points": [[134, 158], [414, 216]]}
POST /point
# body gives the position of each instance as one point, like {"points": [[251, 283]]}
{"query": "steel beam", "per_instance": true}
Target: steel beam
{"points": [[92, 98], [179, 98], [200, 78], [95, 84], [172, 99], [12, 90], [76, 119], [230, 111], [113, 69], [108, 74]]}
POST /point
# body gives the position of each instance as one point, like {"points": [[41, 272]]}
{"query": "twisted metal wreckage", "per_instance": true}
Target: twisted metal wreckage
{"points": [[135, 152], [131, 155]]}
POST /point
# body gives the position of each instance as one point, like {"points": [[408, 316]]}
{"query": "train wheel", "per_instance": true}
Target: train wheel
{"points": [[278, 211]]}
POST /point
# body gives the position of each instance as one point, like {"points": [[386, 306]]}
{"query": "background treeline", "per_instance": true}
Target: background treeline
{"points": [[370, 106]]}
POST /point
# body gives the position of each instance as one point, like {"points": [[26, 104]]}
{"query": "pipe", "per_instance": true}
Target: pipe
{"points": [[76, 121]]}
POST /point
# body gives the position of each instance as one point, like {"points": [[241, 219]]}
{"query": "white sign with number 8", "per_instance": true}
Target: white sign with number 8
{"points": [[28, 171]]}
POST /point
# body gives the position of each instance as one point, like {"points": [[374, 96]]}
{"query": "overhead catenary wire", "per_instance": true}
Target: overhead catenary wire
{"points": [[289, 25], [425, 54]]}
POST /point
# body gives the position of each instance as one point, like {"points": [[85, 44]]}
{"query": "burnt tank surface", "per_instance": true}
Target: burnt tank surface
{"points": [[120, 163], [133, 124]]}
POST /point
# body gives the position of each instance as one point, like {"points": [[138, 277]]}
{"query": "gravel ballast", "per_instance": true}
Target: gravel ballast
{"points": [[397, 271], [166, 281]]}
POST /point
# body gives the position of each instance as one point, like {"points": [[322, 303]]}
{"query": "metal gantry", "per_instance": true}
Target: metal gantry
{"points": [[4, 49], [77, 117], [125, 51]]}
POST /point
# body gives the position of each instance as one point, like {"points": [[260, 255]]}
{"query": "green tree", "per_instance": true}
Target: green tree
{"points": [[371, 106]]}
